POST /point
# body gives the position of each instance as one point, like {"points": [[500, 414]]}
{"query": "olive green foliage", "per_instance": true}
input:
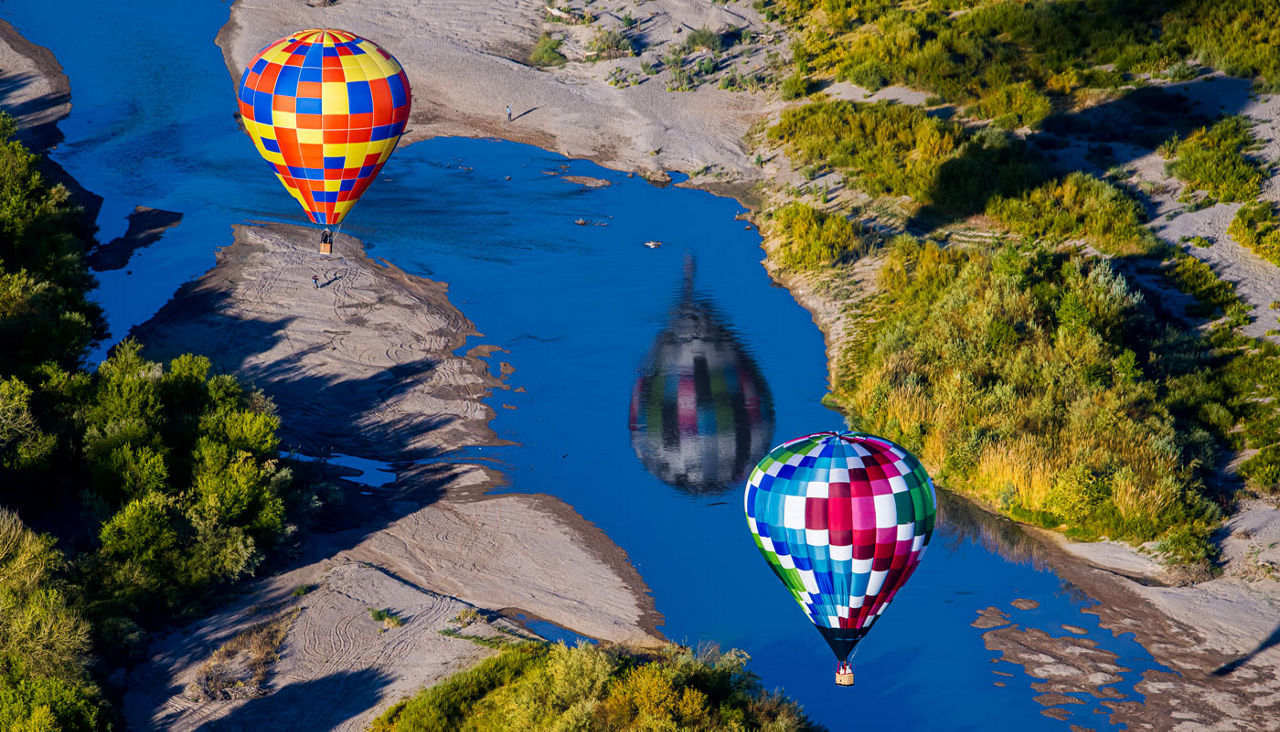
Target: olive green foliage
{"points": [[900, 150], [609, 44], [1212, 295], [388, 618], [544, 687], [793, 87], [1012, 374], [703, 39], [1054, 47], [1256, 226], [23, 443], [44, 643], [1013, 106], [1213, 160], [1078, 207], [1240, 37], [886, 148], [809, 238], [185, 465], [45, 316], [546, 52]]}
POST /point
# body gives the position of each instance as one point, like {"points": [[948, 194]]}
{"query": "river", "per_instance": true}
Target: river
{"points": [[557, 275]]}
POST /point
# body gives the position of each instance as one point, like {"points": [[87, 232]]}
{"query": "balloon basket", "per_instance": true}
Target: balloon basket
{"points": [[326, 247], [844, 678]]}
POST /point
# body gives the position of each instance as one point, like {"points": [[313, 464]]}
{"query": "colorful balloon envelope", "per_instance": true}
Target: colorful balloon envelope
{"points": [[325, 108], [701, 413], [843, 518]]}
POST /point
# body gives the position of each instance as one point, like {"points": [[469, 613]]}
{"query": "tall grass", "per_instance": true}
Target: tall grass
{"points": [[886, 148], [809, 238], [1078, 207], [899, 150], [1213, 160], [1004, 57], [1256, 227], [1012, 374]]}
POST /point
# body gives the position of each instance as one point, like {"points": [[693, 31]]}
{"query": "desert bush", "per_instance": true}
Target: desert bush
{"points": [[809, 238], [1077, 207], [1212, 159], [610, 44], [546, 52], [793, 87], [703, 38], [1013, 106], [239, 668], [1256, 227], [389, 618]]}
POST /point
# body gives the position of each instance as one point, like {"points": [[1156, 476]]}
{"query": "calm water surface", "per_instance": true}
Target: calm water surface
{"points": [[591, 320]]}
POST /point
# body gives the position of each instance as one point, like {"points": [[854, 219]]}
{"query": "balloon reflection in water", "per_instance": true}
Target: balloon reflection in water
{"points": [[701, 413]]}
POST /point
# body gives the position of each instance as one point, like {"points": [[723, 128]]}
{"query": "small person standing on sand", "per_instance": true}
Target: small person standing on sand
{"points": [[315, 280], [508, 112]]}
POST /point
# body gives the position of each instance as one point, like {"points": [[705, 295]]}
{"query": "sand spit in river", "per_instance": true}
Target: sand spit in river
{"points": [[364, 364], [458, 56]]}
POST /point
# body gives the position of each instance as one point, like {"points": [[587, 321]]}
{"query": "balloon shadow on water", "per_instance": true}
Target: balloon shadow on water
{"points": [[701, 413]]}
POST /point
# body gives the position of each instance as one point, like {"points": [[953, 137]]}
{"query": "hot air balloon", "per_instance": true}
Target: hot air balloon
{"points": [[843, 519], [325, 108], [701, 413]]}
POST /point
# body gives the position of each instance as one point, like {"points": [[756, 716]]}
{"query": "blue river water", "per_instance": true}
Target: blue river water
{"points": [[577, 310]]}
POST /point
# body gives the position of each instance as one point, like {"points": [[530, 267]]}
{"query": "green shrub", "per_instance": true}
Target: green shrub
{"points": [[809, 238], [1212, 159], [1013, 106], [546, 52], [555, 687], [1077, 207], [1256, 227], [1012, 373], [387, 617], [703, 38], [610, 44], [886, 148], [794, 87], [1194, 277]]}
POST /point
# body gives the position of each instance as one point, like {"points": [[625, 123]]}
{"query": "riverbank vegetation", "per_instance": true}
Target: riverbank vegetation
{"points": [[1008, 56], [544, 686], [157, 484], [1039, 367], [1027, 375]]}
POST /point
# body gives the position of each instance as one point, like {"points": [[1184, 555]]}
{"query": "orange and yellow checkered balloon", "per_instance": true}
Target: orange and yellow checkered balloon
{"points": [[325, 108]]}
